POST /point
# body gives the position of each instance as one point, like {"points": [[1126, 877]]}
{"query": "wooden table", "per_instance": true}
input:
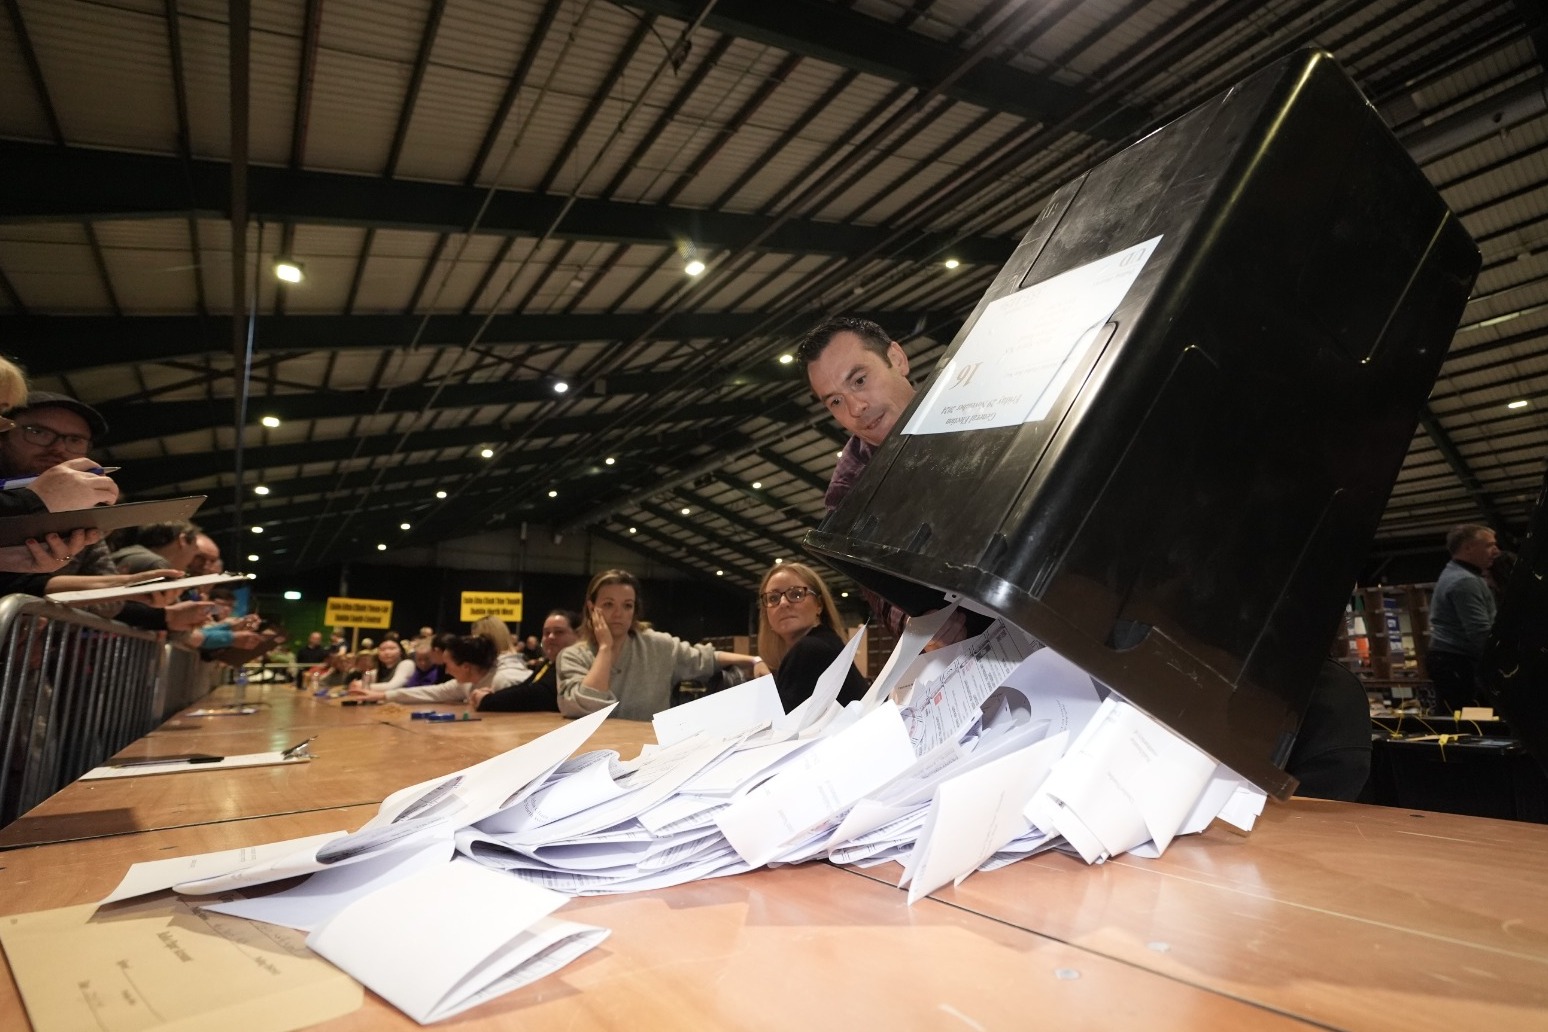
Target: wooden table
{"points": [[1351, 916], [809, 947], [1328, 916], [363, 753]]}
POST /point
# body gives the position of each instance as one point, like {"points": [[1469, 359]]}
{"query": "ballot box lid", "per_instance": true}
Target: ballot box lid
{"points": [[1163, 439]]}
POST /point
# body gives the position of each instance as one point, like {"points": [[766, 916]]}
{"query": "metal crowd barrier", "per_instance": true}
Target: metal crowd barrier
{"points": [[75, 688]]}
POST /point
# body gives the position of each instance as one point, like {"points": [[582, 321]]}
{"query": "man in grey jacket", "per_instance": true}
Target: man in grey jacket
{"points": [[1461, 614]]}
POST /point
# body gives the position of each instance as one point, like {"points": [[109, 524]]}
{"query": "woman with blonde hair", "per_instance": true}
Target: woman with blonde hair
{"points": [[621, 660], [800, 634], [493, 628]]}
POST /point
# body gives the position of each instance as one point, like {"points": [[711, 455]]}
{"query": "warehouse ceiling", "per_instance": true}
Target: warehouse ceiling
{"points": [[491, 198]]}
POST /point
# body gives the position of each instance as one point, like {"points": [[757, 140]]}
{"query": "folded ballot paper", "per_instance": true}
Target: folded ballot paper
{"points": [[1002, 749], [959, 760], [390, 903]]}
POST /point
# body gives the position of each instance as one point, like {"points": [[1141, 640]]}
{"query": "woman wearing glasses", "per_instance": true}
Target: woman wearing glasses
{"points": [[800, 633]]}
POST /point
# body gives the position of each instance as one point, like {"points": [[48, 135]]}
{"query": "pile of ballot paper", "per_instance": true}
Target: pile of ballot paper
{"points": [[962, 759]]}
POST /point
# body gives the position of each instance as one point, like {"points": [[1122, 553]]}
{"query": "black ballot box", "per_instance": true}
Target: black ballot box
{"points": [[1163, 440]]}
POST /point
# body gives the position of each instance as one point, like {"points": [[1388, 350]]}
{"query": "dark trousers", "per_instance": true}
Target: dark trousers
{"points": [[1456, 680]]}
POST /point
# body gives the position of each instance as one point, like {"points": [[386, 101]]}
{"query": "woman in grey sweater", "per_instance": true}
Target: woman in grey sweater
{"points": [[617, 660]]}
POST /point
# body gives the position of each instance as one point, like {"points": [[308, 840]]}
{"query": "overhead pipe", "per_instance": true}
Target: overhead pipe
{"points": [[1503, 111]]}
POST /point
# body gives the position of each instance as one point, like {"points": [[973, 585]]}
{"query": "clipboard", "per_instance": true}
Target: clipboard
{"points": [[14, 530], [145, 588], [178, 766]]}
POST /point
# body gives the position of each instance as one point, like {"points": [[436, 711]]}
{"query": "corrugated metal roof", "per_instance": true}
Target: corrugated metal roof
{"points": [[668, 370]]}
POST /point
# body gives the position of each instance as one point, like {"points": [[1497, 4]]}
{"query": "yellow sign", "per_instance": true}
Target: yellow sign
{"points": [[504, 604], [358, 612]]}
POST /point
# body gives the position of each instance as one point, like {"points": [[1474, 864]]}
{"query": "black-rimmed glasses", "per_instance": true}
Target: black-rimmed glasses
{"points": [[43, 437], [796, 594]]}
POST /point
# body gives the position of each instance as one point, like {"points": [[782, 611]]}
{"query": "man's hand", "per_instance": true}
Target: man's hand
{"points": [[186, 616], [50, 555], [246, 639], [69, 485], [357, 690]]}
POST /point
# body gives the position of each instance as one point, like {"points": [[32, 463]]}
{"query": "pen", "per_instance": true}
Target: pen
{"points": [[157, 760], [17, 482], [291, 752]]}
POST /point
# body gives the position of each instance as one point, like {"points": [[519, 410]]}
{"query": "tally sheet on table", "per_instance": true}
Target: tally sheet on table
{"points": [[157, 963], [139, 770], [475, 935]]}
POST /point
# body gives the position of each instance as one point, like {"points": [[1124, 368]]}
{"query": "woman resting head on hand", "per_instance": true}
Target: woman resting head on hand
{"points": [[620, 660]]}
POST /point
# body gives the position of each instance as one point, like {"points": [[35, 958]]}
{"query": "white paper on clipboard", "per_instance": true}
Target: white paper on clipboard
{"points": [[265, 759]]}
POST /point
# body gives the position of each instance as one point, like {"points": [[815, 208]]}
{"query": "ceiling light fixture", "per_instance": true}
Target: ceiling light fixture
{"points": [[440, 494], [720, 573], [952, 263], [403, 526], [786, 359], [757, 485], [270, 421], [686, 510], [292, 596], [561, 386], [694, 267], [1519, 403], [553, 494], [609, 461], [288, 270], [260, 490], [632, 530], [487, 453], [257, 530], [252, 558], [381, 548]]}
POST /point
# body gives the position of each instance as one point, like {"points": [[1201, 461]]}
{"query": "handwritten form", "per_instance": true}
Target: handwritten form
{"points": [[160, 963]]}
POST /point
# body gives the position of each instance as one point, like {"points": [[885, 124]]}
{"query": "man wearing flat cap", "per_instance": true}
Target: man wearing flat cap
{"points": [[50, 439], [54, 431], [53, 434]]}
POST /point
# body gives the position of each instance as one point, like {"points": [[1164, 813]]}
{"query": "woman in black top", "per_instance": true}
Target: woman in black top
{"points": [[561, 629], [800, 634]]}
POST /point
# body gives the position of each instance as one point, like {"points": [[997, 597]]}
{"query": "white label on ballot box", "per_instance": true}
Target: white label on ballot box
{"points": [[1025, 347]]}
